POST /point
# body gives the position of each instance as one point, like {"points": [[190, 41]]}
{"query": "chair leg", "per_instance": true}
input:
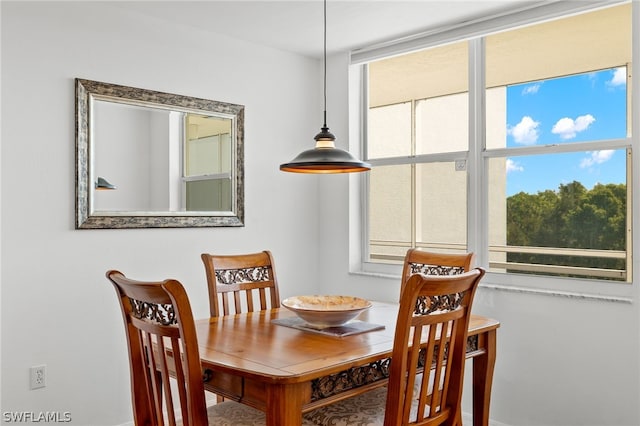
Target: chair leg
{"points": [[458, 420]]}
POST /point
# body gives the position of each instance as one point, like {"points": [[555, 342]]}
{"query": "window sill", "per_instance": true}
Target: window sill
{"points": [[557, 293], [597, 290]]}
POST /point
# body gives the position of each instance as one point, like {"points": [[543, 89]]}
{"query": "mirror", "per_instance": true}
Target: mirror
{"points": [[147, 159]]}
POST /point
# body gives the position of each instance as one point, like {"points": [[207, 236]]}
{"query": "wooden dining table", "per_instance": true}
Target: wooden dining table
{"points": [[286, 371]]}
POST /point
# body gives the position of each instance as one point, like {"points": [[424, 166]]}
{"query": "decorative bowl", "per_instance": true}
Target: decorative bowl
{"points": [[326, 311]]}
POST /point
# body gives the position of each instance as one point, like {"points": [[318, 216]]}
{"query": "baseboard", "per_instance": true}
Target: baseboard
{"points": [[210, 400], [467, 419]]}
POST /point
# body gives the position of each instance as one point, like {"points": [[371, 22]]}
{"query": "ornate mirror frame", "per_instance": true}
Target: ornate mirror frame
{"points": [[87, 92]]}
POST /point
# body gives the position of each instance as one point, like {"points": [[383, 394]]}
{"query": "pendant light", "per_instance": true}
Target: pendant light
{"points": [[325, 157]]}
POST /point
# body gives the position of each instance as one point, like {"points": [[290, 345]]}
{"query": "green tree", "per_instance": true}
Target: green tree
{"points": [[571, 217]]}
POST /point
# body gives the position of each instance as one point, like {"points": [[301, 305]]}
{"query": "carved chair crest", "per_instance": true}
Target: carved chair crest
{"points": [[234, 276], [421, 268], [161, 313]]}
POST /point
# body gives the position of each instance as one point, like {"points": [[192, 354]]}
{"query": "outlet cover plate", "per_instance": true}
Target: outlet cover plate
{"points": [[37, 376]]}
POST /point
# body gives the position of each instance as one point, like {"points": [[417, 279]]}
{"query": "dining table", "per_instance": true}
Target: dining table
{"points": [[268, 360]]}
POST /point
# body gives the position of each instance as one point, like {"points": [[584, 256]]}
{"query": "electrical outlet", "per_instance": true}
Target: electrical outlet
{"points": [[461, 165], [37, 376]]}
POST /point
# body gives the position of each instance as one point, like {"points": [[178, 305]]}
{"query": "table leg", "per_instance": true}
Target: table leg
{"points": [[284, 404], [483, 366]]}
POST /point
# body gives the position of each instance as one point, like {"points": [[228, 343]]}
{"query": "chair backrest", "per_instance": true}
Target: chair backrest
{"points": [[158, 315], [249, 278], [429, 263], [430, 338]]}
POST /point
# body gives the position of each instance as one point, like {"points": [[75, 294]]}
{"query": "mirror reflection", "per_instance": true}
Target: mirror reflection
{"points": [[161, 160], [166, 160]]}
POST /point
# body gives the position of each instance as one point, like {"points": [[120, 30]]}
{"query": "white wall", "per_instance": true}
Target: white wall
{"points": [[57, 307], [561, 360]]}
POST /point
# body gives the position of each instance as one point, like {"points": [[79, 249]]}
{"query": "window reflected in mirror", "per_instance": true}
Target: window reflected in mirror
{"points": [[207, 165]]}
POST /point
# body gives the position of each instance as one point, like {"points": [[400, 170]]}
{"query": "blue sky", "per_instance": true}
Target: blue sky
{"points": [[584, 107]]}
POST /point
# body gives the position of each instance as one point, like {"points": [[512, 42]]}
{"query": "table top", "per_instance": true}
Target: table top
{"points": [[251, 345]]}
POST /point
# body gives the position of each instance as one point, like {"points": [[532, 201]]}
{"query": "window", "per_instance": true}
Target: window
{"points": [[550, 160], [207, 163]]}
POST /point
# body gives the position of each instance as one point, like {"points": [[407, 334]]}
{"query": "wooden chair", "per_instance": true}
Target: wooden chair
{"points": [[158, 315], [253, 275], [430, 263], [419, 392]]}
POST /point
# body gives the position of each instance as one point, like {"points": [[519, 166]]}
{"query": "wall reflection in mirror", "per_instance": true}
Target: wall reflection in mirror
{"points": [[171, 161]]}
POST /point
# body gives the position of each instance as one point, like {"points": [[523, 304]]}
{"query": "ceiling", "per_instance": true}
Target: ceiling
{"points": [[296, 25]]}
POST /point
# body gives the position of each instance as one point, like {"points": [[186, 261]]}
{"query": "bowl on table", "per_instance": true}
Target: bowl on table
{"points": [[326, 311]]}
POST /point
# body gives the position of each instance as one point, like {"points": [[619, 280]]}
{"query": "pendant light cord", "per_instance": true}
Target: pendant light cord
{"points": [[325, 157], [325, 64]]}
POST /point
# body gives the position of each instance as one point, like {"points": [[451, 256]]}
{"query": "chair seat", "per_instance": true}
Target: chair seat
{"points": [[231, 413], [366, 409]]}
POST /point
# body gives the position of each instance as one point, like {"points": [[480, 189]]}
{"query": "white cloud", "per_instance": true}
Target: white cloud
{"points": [[619, 77], [525, 132], [532, 89], [512, 166], [596, 157], [568, 128]]}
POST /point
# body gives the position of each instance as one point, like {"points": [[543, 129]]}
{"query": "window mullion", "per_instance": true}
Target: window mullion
{"points": [[477, 188], [414, 184]]}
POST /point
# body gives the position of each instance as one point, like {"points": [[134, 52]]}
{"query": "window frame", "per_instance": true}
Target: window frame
{"points": [[478, 156]]}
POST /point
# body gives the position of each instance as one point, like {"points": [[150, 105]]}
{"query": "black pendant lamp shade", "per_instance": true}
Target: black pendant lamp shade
{"points": [[325, 157]]}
